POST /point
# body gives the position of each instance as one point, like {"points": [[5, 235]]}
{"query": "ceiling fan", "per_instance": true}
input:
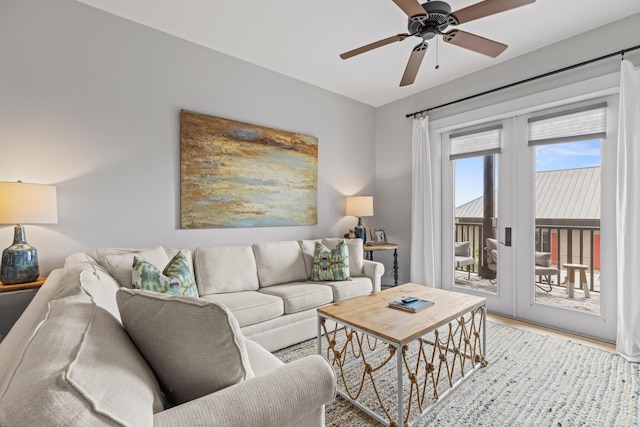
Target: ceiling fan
{"points": [[432, 18]]}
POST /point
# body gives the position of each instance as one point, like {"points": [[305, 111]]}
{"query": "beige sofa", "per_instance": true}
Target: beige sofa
{"points": [[271, 295], [68, 360]]}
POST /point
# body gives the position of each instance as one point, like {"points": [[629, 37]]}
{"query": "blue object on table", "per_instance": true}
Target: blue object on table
{"points": [[19, 261]]}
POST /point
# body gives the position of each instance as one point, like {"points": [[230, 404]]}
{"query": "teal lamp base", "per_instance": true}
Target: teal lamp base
{"points": [[360, 231], [19, 261]]}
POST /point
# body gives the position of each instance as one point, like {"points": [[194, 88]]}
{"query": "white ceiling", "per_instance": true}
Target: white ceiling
{"points": [[302, 39]]}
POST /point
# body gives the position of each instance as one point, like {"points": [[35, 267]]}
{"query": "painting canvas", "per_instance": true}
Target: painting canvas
{"points": [[236, 174]]}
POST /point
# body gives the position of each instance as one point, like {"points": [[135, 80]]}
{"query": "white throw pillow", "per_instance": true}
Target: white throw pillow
{"points": [[120, 265], [194, 346]]}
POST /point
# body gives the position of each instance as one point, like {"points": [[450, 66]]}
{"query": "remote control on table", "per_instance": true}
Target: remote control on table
{"points": [[407, 300]]}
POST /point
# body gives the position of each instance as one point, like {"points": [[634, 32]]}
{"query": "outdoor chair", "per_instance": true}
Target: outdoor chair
{"points": [[544, 269], [463, 258], [491, 254]]}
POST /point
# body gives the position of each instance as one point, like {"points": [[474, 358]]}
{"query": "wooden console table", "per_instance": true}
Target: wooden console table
{"points": [[369, 249]]}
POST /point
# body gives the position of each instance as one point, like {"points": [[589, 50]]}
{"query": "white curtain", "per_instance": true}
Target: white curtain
{"points": [[628, 214], [425, 207]]}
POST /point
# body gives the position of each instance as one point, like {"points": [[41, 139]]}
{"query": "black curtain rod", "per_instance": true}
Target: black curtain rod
{"points": [[550, 73]]}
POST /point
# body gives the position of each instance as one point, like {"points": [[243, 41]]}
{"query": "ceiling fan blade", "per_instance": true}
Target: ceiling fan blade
{"points": [[475, 43], [374, 45], [415, 60], [411, 7], [486, 8]]}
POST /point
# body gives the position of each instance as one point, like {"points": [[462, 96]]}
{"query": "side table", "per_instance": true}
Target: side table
{"points": [[369, 249], [570, 279], [13, 300]]}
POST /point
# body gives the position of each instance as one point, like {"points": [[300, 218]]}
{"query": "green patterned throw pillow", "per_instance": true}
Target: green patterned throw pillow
{"points": [[330, 264], [176, 278]]}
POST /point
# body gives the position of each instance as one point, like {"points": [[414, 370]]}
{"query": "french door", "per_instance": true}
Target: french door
{"points": [[533, 215], [475, 176]]}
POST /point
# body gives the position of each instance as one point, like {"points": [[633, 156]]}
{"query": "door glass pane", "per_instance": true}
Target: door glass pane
{"points": [[567, 227], [476, 191]]}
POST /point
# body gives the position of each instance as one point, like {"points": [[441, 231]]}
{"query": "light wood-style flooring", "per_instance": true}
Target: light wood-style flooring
{"points": [[606, 346]]}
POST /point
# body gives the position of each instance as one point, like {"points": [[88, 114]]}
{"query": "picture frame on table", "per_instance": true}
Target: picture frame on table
{"points": [[379, 236]]}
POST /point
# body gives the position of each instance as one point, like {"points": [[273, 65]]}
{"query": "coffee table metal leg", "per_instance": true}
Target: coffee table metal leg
{"points": [[400, 375], [320, 322], [484, 330]]}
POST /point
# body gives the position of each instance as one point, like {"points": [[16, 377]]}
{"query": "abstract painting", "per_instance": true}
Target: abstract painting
{"points": [[235, 174]]}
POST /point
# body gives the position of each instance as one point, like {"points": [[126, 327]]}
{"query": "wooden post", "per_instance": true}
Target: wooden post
{"points": [[489, 213]]}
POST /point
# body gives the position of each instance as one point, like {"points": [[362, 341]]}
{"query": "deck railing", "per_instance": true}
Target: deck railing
{"points": [[567, 244]]}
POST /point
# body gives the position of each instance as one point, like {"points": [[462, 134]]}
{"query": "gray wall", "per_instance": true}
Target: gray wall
{"points": [[90, 102], [393, 130]]}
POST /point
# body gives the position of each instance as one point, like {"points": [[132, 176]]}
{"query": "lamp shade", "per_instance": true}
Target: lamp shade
{"points": [[23, 203], [360, 206]]}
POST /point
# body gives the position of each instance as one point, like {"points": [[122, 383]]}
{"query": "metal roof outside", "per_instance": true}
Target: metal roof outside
{"points": [[560, 194]]}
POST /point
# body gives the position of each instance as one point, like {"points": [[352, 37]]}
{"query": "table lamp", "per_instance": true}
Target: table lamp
{"points": [[22, 203], [360, 206]]}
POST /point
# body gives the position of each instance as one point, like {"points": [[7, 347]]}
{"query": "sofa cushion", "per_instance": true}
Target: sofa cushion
{"points": [[80, 368], [300, 296], [249, 307], [279, 262], [308, 250], [217, 269], [331, 264], [73, 266], [194, 346], [356, 254], [356, 287], [176, 278], [81, 261], [119, 262]]}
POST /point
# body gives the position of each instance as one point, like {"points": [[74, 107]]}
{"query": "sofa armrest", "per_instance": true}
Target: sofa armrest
{"points": [[374, 271], [285, 396]]}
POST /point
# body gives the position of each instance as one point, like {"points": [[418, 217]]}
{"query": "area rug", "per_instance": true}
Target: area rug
{"points": [[531, 380]]}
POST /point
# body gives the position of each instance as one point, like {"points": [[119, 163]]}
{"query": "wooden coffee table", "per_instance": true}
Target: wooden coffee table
{"points": [[456, 322]]}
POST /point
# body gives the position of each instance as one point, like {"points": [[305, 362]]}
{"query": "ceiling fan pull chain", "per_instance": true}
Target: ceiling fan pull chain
{"points": [[437, 60]]}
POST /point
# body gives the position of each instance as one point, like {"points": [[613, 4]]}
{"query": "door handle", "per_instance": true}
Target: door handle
{"points": [[507, 236]]}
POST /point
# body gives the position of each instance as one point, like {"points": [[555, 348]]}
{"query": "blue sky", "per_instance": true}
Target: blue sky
{"points": [[571, 155]]}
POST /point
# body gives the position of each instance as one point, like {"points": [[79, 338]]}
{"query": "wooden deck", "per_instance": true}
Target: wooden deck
{"points": [[557, 297]]}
